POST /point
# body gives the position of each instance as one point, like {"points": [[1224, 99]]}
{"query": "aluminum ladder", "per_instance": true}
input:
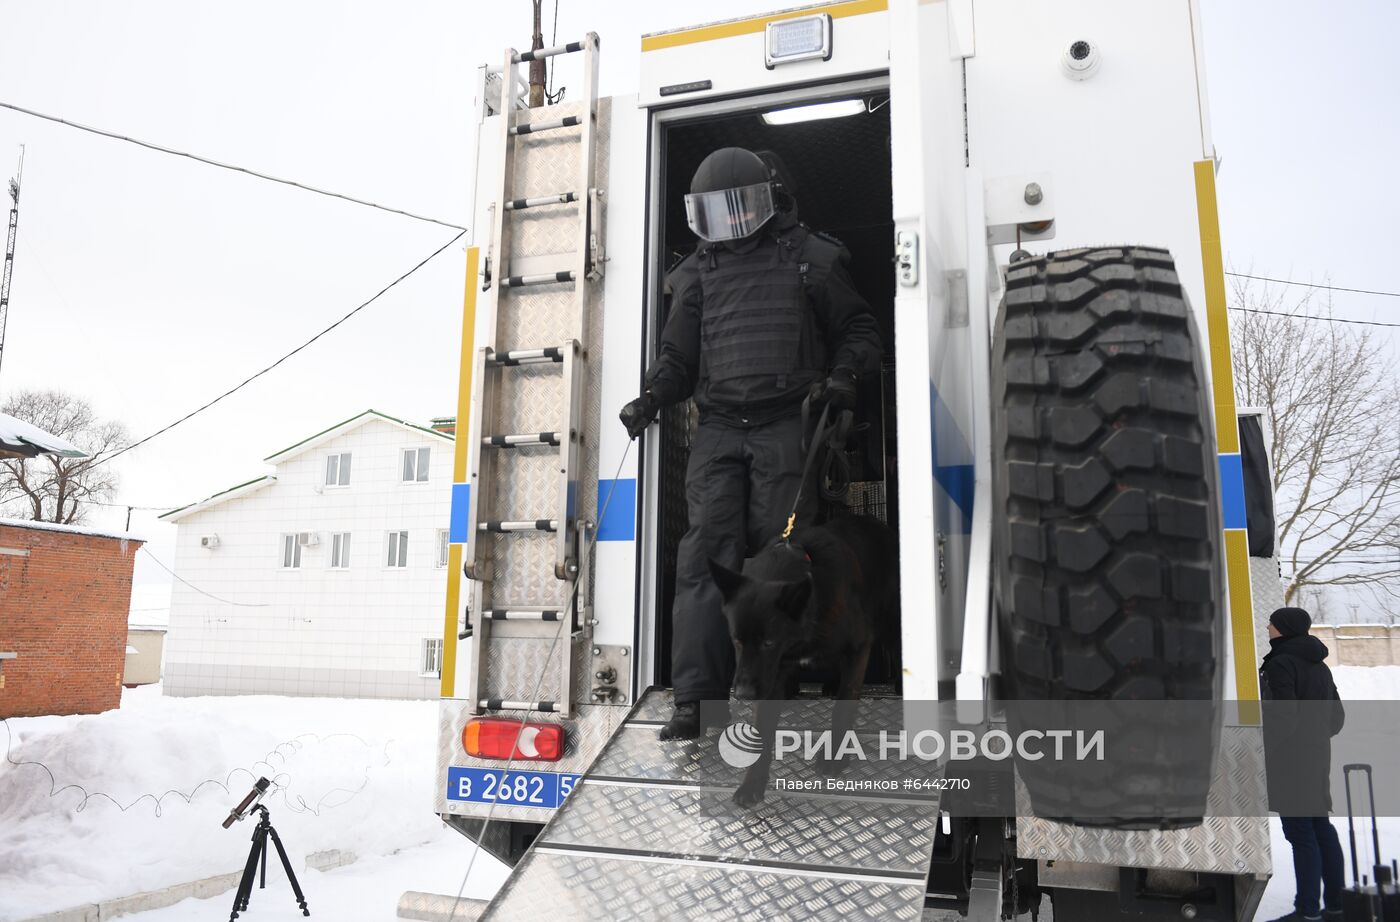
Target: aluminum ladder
{"points": [[529, 599]]}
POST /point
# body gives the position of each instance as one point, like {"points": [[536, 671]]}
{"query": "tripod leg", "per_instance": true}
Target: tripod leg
{"points": [[291, 876], [245, 883]]}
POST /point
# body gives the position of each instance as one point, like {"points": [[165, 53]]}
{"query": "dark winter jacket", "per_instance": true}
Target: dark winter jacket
{"points": [[1302, 712], [753, 324]]}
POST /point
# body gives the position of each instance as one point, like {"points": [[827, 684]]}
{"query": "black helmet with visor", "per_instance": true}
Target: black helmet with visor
{"points": [[731, 196]]}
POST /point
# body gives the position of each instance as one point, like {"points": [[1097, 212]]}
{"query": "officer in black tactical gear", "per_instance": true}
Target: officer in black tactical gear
{"points": [[761, 315]]}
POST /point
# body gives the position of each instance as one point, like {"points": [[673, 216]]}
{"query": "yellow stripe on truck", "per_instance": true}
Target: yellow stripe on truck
{"points": [[459, 475], [757, 24], [1222, 377], [1227, 437], [1242, 623]]}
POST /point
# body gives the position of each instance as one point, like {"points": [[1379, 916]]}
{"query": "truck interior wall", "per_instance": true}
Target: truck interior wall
{"points": [[840, 169]]}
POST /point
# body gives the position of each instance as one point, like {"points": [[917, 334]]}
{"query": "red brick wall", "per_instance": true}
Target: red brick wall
{"points": [[63, 609]]}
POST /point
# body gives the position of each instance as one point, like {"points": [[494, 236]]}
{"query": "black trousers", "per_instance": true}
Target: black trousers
{"points": [[739, 488]]}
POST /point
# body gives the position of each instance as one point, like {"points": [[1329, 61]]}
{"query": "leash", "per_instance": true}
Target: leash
{"points": [[812, 452]]}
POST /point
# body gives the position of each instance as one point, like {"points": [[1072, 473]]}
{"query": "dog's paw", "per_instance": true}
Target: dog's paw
{"points": [[830, 768], [749, 796]]}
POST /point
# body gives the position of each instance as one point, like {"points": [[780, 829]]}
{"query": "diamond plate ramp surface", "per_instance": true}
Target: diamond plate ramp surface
{"points": [[570, 887], [652, 832]]}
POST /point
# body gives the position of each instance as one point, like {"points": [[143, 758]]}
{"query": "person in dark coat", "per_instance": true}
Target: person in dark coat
{"points": [[1302, 712], [763, 313]]}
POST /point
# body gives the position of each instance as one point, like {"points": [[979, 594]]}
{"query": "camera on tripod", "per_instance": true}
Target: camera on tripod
{"points": [[257, 857]]}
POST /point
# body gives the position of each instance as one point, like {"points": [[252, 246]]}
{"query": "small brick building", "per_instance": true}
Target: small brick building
{"points": [[65, 592]]}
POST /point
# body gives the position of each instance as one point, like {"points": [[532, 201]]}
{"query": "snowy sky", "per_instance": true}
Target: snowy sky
{"points": [[149, 284]]}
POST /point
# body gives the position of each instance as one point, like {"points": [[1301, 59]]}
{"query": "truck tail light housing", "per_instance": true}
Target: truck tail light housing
{"points": [[503, 738]]}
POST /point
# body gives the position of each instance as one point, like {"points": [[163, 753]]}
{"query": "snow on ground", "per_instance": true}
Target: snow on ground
{"points": [[354, 774], [366, 891]]}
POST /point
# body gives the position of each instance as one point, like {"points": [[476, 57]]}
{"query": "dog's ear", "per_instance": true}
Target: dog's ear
{"points": [[726, 579], [793, 597]]}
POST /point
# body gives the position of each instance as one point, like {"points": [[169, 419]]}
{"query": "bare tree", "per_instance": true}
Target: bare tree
{"points": [[53, 489], [1331, 397]]}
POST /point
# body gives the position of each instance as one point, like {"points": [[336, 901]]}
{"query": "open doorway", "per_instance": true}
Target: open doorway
{"points": [[840, 168]]}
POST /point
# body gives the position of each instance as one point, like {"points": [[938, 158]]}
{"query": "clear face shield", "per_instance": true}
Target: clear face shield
{"points": [[729, 214]]}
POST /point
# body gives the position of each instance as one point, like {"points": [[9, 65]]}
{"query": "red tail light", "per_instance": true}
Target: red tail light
{"points": [[503, 738]]}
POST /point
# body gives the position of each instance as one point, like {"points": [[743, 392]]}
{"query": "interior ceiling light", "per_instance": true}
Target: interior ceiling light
{"points": [[838, 109]]}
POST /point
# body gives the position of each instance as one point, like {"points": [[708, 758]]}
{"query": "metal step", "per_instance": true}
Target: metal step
{"points": [[515, 441], [526, 356], [651, 832], [541, 278], [550, 525], [515, 614], [563, 198], [566, 122]]}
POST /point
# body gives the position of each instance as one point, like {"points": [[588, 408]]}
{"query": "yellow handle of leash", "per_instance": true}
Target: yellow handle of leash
{"points": [[792, 519]]}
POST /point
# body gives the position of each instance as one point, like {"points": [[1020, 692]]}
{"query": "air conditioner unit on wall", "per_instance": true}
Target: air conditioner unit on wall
{"points": [[209, 541], [308, 538]]}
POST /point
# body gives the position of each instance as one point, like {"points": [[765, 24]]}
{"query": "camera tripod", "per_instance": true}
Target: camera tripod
{"points": [[257, 861]]}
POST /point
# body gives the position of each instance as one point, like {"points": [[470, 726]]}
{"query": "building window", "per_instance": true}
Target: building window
{"points": [[398, 549], [431, 664], [415, 465], [340, 550], [291, 552], [442, 546], [338, 470]]}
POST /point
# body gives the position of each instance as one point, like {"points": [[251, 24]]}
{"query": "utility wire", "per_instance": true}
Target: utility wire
{"points": [[226, 166], [253, 377], [1364, 323], [1359, 291], [211, 595]]}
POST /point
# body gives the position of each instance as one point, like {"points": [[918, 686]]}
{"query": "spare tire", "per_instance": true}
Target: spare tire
{"points": [[1107, 572]]}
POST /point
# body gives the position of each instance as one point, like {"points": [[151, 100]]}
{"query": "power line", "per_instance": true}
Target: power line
{"points": [[211, 595], [226, 166], [253, 377], [1364, 323], [1359, 291]]}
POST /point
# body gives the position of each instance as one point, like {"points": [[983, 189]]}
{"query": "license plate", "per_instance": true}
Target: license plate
{"points": [[517, 788]]}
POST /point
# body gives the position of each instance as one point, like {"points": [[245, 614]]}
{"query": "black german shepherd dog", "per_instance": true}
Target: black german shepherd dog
{"points": [[822, 600]]}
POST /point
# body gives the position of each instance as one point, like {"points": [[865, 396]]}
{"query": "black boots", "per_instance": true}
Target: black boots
{"points": [[686, 723]]}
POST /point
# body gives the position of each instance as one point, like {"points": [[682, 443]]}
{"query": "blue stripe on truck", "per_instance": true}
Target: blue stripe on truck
{"points": [[1232, 491], [459, 523]]}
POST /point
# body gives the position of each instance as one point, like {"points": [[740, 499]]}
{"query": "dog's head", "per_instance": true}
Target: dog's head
{"points": [[765, 612]]}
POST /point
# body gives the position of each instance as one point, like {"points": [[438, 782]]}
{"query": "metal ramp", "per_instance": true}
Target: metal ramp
{"points": [[650, 832]]}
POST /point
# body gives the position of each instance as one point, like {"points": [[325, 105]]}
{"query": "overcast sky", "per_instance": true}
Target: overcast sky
{"points": [[149, 284]]}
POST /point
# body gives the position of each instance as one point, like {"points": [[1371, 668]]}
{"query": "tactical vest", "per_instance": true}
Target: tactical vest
{"points": [[755, 322]]}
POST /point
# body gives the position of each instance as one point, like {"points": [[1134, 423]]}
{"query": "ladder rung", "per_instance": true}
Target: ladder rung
{"points": [[563, 198], [543, 278], [496, 614], [567, 122], [533, 525], [530, 438], [528, 356], [570, 48], [500, 704]]}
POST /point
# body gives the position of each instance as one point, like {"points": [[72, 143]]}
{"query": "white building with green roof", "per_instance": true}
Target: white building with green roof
{"points": [[326, 576]]}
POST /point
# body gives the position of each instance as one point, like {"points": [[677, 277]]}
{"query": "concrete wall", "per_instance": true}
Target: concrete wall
{"points": [[1360, 644], [314, 629], [143, 666], [64, 596]]}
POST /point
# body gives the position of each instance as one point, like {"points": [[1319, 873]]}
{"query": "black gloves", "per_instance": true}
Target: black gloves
{"points": [[638, 414], [839, 389]]}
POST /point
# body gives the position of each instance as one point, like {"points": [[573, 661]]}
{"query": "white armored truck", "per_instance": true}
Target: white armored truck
{"points": [[1027, 192]]}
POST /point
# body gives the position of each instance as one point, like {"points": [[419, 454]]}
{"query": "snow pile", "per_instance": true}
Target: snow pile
{"points": [[353, 774]]}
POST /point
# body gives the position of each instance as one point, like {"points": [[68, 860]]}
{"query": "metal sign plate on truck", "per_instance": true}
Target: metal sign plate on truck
{"points": [[521, 788]]}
